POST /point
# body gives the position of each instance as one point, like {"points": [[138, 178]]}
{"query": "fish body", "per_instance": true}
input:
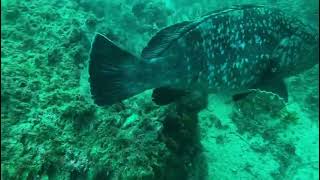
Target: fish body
{"points": [[225, 51]]}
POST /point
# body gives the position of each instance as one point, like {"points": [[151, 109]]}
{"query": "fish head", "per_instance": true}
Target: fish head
{"points": [[296, 54], [296, 43], [306, 56]]}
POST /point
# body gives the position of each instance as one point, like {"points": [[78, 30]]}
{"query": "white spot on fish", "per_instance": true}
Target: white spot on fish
{"points": [[242, 61], [257, 39], [221, 50], [242, 45], [208, 54], [211, 68], [237, 64], [224, 66], [233, 30], [220, 28], [189, 68], [264, 22], [227, 31], [237, 36]]}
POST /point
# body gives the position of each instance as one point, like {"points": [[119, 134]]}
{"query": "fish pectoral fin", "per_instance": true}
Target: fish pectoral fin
{"points": [[276, 86], [268, 87], [240, 96], [166, 95]]}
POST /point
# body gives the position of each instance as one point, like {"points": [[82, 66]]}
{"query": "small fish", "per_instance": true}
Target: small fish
{"points": [[228, 51]]}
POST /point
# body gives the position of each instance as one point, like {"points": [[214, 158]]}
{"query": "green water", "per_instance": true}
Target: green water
{"points": [[51, 128]]}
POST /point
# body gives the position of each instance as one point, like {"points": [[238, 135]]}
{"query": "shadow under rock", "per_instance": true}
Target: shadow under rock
{"points": [[181, 135]]}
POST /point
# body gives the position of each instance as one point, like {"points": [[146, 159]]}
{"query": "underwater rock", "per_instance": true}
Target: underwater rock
{"points": [[54, 56], [193, 102], [259, 113], [152, 12], [12, 14], [91, 22]]}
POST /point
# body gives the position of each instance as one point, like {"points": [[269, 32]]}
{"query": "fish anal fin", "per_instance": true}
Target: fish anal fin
{"points": [[166, 95], [240, 96]]}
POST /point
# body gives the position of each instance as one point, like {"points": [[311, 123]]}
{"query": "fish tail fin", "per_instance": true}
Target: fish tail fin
{"points": [[111, 72]]}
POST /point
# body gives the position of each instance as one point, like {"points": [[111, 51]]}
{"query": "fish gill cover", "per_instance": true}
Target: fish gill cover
{"points": [[52, 129]]}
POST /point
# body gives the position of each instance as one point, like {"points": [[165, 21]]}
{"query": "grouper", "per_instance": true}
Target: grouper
{"points": [[228, 51]]}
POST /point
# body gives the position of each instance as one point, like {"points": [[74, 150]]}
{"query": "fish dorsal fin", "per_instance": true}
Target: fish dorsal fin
{"points": [[163, 39]]}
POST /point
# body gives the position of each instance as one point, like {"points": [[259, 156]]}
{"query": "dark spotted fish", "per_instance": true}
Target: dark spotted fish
{"points": [[227, 51]]}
